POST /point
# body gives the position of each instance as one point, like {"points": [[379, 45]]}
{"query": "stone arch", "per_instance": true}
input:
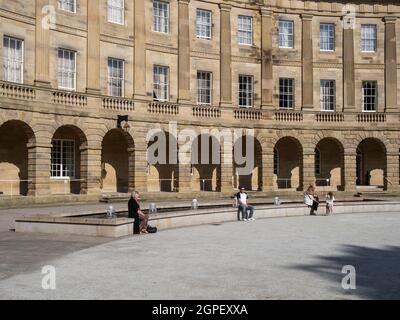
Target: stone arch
{"points": [[68, 160], [371, 162], [162, 156], [290, 173], [117, 161], [251, 177], [332, 170], [206, 164], [17, 139]]}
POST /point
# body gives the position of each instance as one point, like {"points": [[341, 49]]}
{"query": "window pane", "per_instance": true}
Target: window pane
{"points": [[203, 24], [327, 36], [327, 95], [63, 158], [245, 91], [67, 5], [368, 38], [13, 63], [204, 87], [286, 93], [285, 34], [370, 96], [66, 69], [160, 83], [160, 16], [115, 77], [245, 30], [116, 11]]}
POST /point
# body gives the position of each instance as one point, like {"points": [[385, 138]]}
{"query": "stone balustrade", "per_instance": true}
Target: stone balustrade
{"points": [[288, 116], [163, 108], [206, 112], [247, 114], [373, 117], [69, 98], [118, 104], [17, 91], [329, 117]]}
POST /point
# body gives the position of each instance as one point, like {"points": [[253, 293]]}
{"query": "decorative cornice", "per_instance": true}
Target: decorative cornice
{"points": [[390, 19], [225, 7]]}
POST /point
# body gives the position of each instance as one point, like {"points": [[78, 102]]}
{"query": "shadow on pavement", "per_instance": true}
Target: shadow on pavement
{"points": [[377, 270]]}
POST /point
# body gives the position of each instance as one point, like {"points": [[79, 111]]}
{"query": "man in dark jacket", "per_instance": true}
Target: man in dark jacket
{"points": [[134, 211]]}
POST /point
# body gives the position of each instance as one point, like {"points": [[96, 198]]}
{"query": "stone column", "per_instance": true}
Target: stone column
{"points": [[140, 51], [307, 63], [140, 172], [268, 169], [131, 169], [44, 19], [184, 52], [308, 169], [185, 177], [267, 82], [91, 170], [226, 56], [39, 164], [392, 174], [349, 98], [227, 167], [350, 171], [93, 47], [390, 64]]}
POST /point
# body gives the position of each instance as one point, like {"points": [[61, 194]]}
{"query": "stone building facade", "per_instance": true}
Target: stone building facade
{"points": [[316, 80]]}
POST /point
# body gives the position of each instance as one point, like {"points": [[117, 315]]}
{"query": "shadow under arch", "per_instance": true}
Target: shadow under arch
{"points": [[163, 176], [117, 161], [371, 163], [15, 159], [289, 173], [206, 164], [330, 171], [251, 181]]}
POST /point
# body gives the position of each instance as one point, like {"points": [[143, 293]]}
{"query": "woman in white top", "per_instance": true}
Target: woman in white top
{"points": [[311, 200]]}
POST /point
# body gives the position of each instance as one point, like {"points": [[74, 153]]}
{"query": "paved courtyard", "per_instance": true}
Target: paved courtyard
{"points": [[284, 258]]}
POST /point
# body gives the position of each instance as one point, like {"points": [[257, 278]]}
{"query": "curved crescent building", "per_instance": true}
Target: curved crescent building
{"points": [[83, 83]]}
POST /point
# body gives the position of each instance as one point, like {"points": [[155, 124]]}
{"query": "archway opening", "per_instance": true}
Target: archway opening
{"points": [[117, 162], [288, 164], [15, 178], [329, 164], [163, 168], [247, 161], [68, 173], [206, 164], [371, 163]]}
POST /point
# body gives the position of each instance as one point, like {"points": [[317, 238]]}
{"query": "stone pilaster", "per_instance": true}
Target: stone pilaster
{"points": [[390, 64], [131, 169], [140, 172], [42, 42], [184, 52], [93, 47], [140, 51], [90, 170], [226, 56], [267, 77], [185, 177], [308, 169], [350, 173], [39, 159], [349, 98], [392, 173], [227, 167], [307, 60], [267, 170]]}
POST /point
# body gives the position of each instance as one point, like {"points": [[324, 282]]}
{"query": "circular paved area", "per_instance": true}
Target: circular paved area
{"points": [[285, 258]]}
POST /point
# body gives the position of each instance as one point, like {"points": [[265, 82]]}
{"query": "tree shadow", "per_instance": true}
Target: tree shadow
{"points": [[377, 271]]}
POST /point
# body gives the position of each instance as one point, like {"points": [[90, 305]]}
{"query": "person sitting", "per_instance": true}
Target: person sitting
{"points": [[311, 200], [136, 213], [246, 209]]}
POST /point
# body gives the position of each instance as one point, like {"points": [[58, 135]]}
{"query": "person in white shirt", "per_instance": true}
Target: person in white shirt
{"points": [[311, 200], [246, 209], [329, 203]]}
